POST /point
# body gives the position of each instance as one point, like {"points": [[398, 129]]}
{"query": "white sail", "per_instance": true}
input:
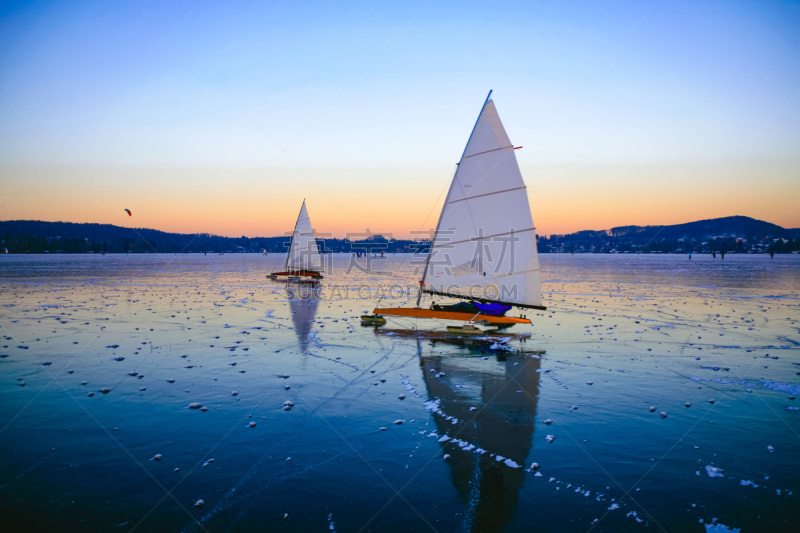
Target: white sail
{"points": [[303, 253], [485, 242]]}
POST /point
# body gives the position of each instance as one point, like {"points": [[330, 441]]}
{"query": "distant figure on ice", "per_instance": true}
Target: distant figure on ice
{"points": [[714, 255], [722, 255]]}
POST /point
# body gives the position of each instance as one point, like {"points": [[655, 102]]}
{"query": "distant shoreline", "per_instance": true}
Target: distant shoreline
{"points": [[277, 254], [737, 234]]}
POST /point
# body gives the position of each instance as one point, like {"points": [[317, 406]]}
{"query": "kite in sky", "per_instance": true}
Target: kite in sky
{"points": [[129, 212]]}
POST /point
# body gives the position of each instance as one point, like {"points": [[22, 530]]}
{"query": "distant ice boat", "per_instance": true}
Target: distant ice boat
{"points": [[486, 213], [302, 259]]}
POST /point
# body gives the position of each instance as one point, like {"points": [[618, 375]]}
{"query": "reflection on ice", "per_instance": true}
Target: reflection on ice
{"points": [[303, 301], [484, 411]]}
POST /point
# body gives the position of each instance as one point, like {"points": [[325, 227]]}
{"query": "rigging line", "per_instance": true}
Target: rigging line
{"points": [[437, 200], [438, 222], [579, 82], [433, 206]]}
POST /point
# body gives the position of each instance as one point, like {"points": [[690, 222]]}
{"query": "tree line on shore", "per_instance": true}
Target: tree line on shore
{"points": [[729, 235]]}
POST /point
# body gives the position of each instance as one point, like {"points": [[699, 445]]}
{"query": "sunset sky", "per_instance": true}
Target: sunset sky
{"points": [[221, 117]]}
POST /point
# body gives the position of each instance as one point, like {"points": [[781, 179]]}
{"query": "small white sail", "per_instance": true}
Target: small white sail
{"points": [[485, 243], [303, 253]]}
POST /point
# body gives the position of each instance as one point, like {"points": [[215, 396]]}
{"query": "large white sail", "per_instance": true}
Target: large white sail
{"points": [[485, 242], [303, 253]]}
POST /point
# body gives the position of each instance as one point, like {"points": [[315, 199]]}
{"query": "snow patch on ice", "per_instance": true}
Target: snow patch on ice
{"points": [[781, 387], [432, 405], [720, 528]]}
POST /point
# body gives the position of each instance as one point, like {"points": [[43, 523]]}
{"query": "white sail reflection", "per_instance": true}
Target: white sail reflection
{"points": [[303, 302], [504, 390]]}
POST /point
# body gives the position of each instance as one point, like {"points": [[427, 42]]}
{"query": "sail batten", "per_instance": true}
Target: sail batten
{"points": [[477, 252], [488, 194], [485, 237], [509, 147]]}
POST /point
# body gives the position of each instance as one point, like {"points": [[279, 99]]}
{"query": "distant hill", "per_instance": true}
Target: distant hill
{"points": [[739, 226], [35, 236], [728, 234], [737, 233], [93, 232]]}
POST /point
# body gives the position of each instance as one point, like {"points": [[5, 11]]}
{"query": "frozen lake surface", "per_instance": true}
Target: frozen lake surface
{"points": [[656, 393]]}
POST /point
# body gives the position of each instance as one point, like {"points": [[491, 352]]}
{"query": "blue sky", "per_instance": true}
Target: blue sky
{"points": [[648, 105]]}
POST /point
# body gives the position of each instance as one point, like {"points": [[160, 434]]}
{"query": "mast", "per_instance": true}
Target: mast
{"points": [[444, 206]]}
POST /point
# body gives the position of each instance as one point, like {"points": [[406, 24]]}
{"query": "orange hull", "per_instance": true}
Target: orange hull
{"points": [[447, 315]]}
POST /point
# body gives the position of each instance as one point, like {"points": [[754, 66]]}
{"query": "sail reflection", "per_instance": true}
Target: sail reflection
{"points": [[504, 389], [303, 301]]}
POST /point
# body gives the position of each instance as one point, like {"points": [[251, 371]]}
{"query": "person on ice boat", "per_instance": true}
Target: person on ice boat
{"points": [[492, 309]]}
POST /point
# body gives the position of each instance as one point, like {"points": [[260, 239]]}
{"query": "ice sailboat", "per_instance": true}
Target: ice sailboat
{"points": [[302, 259], [484, 246]]}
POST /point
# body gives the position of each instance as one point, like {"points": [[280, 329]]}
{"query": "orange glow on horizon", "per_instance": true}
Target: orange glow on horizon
{"points": [[564, 198]]}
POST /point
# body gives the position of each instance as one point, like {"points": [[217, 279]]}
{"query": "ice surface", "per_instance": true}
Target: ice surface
{"points": [[631, 325]]}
